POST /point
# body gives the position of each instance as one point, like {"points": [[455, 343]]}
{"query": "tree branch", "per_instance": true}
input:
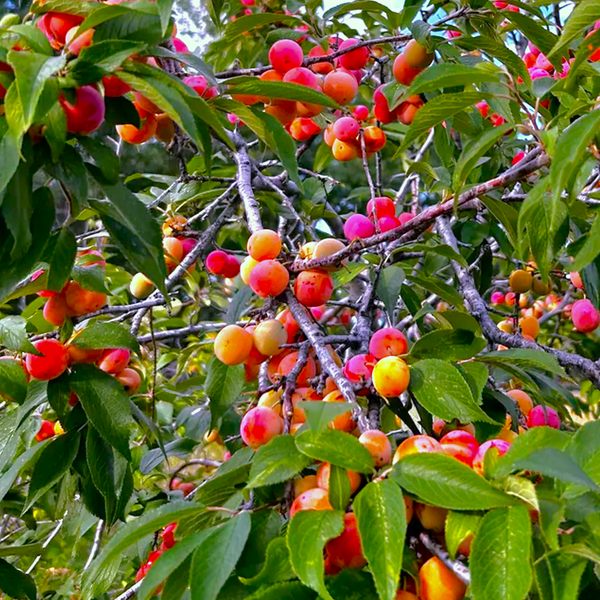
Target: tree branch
{"points": [[314, 336]]}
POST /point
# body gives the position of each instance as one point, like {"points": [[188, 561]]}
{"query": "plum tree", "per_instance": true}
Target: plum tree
{"points": [[310, 312]]}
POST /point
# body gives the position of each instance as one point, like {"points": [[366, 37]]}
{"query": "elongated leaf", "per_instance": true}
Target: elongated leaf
{"points": [[31, 72], [388, 289], [169, 562], [133, 229], [533, 31], [106, 405], [63, 257], [53, 462], [583, 15], [319, 415], [277, 566], [339, 487], [283, 91], [448, 344], [506, 214], [22, 463], [381, 517], [103, 156], [216, 557], [248, 23], [285, 147], [438, 287], [442, 390], [473, 151], [590, 249], [9, 157], [15, 583], [13, 382], [528, 443], [100, 334], [500, 567], [527, 359], [308, 532], [336, 447], [444, 75], [497, 50], [136, 530], [277, 461], [223, 387], [458, 527], [443, 481], [102, 58], [13, 334], [435, 111]]}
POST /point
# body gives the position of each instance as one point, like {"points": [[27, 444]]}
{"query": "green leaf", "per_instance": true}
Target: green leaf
{"points": [[443, 481], [585, 450], [134, 531], [336, 447], [169, 562], [13, 382], [132, 25], [290, 590], [440, 249], [133, 229], [320, 414], [590, 249], [277, 461], [571, 149], [526, 444], [102, 58], [13, 334], [31, 72], [308, 532], [339, 488], [223, 387], [437, 286], [524, 358], [347, 273], [280, 90], [17, 205], [90, 277], [238, 305], [15, 583], [22, 463], [381, 516], [244, 24], [106, 405], [533, 31], [443, 75], [53, 462], [388, 288], [473, 151], [458, 527], [37, 40], [442, 390], [504, 213], [500, 557], [103, 156], [9, 157], [448, 345], [71, 172], [277, 566], [497, 50], [285, 147], [62, 259], [552, 462], [583, 15], [441, 108], [522, 488], [101, 334], [216, 557]]}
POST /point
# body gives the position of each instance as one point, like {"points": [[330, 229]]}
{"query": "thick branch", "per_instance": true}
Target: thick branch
{"points": [[315, 337], [244, 171], [532, 162], [478, 308], [290, 386], [460, 570]]}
